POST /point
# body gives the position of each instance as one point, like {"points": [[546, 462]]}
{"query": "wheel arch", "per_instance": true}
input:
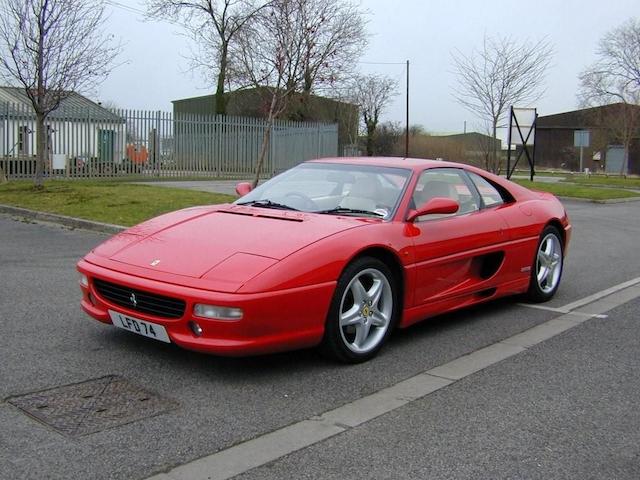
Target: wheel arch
{"points": [[391, 260], [558, 226]]}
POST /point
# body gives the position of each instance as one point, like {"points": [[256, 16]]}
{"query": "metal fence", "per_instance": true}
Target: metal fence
{"points": [[97, 142]]}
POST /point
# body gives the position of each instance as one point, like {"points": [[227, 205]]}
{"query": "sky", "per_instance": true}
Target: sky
{"points": [[153, 69]]}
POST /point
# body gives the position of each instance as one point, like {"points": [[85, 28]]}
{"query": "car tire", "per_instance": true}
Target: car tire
{"points": [[546, 269], [363, 311]]}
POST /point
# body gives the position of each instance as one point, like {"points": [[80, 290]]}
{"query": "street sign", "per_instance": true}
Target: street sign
{"points": [[581, 138], [522, 132], [523, 127]]}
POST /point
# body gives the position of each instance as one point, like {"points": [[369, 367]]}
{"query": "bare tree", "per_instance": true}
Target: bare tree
{"points": [[615, 78], [501, 74], [273, 65], [335, 36], [372, 93], [484, 145], [214, 25], [292, 47], [52, 48]]}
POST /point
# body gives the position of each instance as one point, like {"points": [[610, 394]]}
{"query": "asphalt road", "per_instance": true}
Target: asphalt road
{"points": [[566, 408]]}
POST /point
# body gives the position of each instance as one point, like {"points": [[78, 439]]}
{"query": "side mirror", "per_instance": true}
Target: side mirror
{"points": [[439, 205], [243, 188]]}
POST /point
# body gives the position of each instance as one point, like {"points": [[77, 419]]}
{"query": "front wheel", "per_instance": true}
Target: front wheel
{"points": [[362, 312], [546, 270]]}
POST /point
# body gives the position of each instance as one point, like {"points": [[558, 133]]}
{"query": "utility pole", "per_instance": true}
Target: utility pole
{"points": [[406, 145]]}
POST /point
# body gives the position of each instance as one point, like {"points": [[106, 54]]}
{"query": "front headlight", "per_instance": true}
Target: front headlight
{"points": [[84, 281], [216, 312]]}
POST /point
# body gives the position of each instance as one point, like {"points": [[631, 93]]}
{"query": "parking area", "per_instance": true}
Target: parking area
{"points": [[564, 408]]}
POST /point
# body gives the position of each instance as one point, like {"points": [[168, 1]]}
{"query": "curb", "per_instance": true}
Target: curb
{"points": [[64, 220]]}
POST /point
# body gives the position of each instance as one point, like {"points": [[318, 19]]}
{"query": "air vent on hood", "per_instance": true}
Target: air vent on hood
{"points": [[263, 215]]}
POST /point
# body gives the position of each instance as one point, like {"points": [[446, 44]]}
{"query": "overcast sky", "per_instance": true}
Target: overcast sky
{"points": [[155, 70]]}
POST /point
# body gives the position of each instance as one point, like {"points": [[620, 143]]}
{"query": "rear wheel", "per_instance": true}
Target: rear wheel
{"points": [[546, 270], [362, 313]]}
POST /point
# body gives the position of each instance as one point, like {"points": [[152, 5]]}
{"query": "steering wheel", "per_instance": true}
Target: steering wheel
{"points": [[302, 201]]}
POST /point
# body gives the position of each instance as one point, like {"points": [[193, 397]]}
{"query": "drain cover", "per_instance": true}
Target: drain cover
{"points": [[92, 406]]}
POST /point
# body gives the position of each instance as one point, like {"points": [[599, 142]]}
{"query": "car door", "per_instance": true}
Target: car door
{"points": [[450, 250]]}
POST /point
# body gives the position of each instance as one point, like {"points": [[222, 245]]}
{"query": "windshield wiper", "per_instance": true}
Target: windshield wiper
{"points": [[347, 211], [268, 204]]}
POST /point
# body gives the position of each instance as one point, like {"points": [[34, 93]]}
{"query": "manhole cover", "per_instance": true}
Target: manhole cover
{"points": [[92, 406]]}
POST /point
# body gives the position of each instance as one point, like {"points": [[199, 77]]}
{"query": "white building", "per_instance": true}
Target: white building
{"points": [[79, 132]]}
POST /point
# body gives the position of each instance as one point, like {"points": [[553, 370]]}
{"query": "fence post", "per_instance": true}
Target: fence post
{"points": [[156, 142]]}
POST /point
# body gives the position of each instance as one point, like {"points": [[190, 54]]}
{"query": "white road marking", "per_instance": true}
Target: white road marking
{"points": [[266, 448], [542, 307], [601, 294], [560, 310]]}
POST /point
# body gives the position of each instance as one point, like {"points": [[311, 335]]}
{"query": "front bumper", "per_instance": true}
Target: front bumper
{"points": [[272, 321]]}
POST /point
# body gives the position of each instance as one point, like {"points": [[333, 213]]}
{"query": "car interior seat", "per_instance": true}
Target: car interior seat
{"points": [[433, 189], [363, 194]]}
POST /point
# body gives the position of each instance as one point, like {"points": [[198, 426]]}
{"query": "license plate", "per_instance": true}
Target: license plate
{"points": [[141, 327]]}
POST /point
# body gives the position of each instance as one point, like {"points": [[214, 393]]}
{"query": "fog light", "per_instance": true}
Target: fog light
{"points": [[218, 313], [195, 328], [84, 281], [92, 299]]}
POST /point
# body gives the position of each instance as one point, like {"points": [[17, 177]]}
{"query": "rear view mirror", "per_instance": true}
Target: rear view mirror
{"points": [[243, 188], [437, 205]]}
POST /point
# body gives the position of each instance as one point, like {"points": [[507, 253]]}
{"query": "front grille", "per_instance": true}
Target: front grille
{"points": [[145, 302]]}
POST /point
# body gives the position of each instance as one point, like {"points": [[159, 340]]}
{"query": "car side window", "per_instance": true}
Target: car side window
{"points": [[448, 183], [489, 194]]}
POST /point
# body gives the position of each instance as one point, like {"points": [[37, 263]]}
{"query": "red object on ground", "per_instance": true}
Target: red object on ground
{"points": [[137, 154]]}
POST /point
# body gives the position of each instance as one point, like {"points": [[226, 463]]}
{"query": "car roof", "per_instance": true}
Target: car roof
{"points": [[398, 162]]}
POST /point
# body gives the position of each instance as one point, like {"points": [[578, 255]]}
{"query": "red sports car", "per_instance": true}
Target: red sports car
{"points": [[334, 252]]}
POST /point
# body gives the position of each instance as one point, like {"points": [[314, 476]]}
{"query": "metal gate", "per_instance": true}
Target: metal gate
{"points": [[616, 160]]}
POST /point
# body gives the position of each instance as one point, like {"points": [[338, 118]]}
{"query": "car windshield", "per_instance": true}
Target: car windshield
{"points": [[333, 189]]}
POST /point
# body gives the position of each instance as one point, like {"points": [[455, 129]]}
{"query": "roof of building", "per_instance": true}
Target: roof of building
{"points": [[466, 135], [247, 102], [594, 117], [72, 107]]}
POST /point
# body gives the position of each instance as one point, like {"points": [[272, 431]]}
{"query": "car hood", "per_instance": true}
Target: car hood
{"points": [[228, 243]]}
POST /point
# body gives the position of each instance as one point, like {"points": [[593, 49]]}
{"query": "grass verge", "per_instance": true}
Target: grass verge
{"points": [[543, 173], [110, 202], [579, 191], [617, 182]]}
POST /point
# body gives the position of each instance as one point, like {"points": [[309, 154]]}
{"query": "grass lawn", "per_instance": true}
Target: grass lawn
{"points": [[111, 202], [578, 191], [619, 182], [543, 173]]}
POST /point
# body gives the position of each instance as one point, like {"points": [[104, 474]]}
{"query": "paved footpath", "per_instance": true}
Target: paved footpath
{"points": [[499, 391]]}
